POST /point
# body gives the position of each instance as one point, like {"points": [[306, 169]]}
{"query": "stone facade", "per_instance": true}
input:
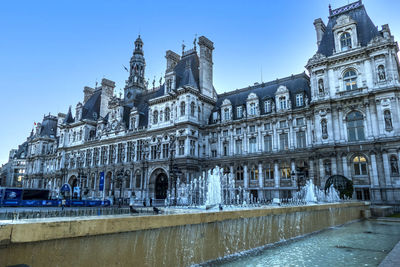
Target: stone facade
{"points": [[341, 119]]}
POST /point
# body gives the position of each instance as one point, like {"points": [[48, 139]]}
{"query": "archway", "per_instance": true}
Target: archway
{"points": [[158, 186], [161, 186], [73, 182]]}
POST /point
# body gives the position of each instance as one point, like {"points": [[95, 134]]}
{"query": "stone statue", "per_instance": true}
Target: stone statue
{"points": [[381, 73], [321, 86], [324, 129], [388, 120]]}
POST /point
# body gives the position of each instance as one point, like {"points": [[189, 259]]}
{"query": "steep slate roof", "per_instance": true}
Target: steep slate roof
{"points": [[187, 70], [22, 150], [91, 109], [143, 105], [68, 118], [48, 127], [366, 30], [295, 84]]}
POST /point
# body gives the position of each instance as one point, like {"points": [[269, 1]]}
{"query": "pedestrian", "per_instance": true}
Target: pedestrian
{"points": [[144, 202], [63, 204], [151, 202]]}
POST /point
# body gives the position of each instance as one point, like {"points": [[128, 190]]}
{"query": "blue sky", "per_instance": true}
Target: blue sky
{"points": [[50, 50]]}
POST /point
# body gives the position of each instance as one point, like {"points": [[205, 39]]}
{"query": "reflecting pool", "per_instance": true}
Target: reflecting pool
{"points": [[364, 243]]}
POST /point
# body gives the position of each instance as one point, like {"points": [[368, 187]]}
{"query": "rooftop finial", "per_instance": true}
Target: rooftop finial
{"points": [[183, 47], [330, 9], [194, 42]]}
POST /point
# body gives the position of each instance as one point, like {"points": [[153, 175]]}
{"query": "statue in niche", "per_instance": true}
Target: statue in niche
{"points": [[381, 73], [388, 120], [394, 165], [321, 86], [324, 128]]}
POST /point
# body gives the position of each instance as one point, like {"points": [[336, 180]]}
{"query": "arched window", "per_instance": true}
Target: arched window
{"points": [[183, 105], [321, 88], [167, 114], [381, 73], [350, 80], [155, 117], [345, 41], [192, 108], [282, 102], [360, 165], [239, 173], [388, 120], [161, 116], [394, 165], [285, 170], [355, 126]]}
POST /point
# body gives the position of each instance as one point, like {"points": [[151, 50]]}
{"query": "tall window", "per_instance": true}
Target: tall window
{"points": [[360, 165], [239, 112], [254, 173], [226, 114], [350, 80], [301, 139], [192, 108], [282, 102], [167, 114], [355, 126], [252, 145], [285, 170], [299, 100], [269, 171], [181, 147], [252, 109], [154, 152], [239, 173], [198, 113], [267, 143], [155, 117], [345, 41], [238, 146], [183, 108], [267, 106], [394, 165], [192, 147], [226, 148], [165, 150], [284, 142]]}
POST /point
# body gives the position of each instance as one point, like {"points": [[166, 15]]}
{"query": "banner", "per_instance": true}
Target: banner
{"points": [[101, 182]]}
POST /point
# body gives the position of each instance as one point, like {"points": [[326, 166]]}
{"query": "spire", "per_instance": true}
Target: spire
{"points": [[69, 118], [137, 66]]}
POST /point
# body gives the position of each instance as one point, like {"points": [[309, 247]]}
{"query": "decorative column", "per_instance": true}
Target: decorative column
{"points": [[245, 177], [275, 137], [311, 170], [341, 128], [309, 133], [321, 172], [260, 181], [386, 167], [334, 166], [345, 167], [374, 173], [277, 179], [293, 170], [259, 143], [291, 134]]}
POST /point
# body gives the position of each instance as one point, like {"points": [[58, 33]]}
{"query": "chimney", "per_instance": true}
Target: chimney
{"points": [[206, 66], [87, 93], [320, 29], [172, 59]]}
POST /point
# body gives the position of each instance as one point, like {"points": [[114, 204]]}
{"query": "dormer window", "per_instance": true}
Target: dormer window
{"points": [[350, 80], [253, 109], [299, 100], [169, 85], [239, 112], [282, 103], [345, 41], [267, 106], [226, 114], [192, 108]]}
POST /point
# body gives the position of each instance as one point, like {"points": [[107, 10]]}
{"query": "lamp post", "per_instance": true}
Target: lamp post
{"points": [[144, 152]]}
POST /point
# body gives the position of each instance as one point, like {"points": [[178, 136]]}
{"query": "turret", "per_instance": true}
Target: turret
{"points": [[206, 66], [136, 82]]}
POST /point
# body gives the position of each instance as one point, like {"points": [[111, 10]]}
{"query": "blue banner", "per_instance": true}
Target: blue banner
{"points": [[65, 188], [101, 182]]}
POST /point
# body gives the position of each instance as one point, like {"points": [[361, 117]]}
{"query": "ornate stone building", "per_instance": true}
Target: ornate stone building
{"points": [[342, 118]]}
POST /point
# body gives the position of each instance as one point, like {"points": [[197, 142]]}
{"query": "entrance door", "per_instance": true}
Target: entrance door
{"points": [[161, 186]]}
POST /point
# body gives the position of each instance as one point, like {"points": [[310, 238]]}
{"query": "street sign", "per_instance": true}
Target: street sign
{"points": [[101, 182], [65, 188]]}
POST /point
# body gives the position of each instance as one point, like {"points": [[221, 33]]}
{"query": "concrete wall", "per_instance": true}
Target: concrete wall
{"points": [[164, 240]]}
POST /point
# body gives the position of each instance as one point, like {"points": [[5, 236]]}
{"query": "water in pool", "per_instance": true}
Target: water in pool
{"points": [[364, 243]]}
